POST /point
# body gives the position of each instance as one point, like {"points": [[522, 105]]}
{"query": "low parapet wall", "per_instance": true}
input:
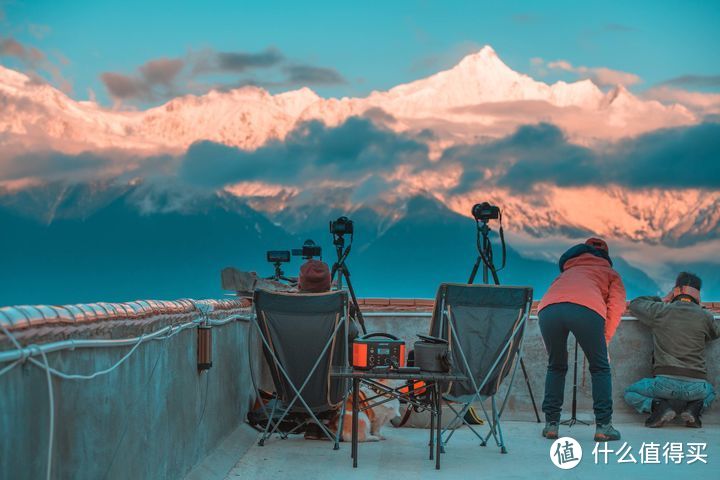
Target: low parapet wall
{"points": [[630, 353], [154, 416]]}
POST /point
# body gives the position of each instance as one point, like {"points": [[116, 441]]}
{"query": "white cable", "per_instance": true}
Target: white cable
{"points": [[49, 371], [51, 398], [78, 376], [9, 367]]}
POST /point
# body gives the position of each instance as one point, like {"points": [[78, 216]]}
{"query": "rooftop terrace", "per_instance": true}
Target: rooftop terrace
{"points": [[140, 409]]}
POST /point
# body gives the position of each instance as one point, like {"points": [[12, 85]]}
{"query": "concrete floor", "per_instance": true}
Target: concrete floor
{"points": [[404, 455]]}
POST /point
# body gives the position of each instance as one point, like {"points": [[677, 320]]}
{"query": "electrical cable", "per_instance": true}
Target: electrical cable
{"points": [[10, 367], [51, 428], [27, 352]]}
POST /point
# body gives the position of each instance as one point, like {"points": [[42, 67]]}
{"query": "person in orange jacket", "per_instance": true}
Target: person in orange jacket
{"points": [[587, 299]]}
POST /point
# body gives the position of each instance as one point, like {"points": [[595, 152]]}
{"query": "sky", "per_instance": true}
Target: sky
{"points": [[352, 48]]}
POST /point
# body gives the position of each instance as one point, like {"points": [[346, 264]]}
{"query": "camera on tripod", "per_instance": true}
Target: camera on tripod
{"points": [[485, 211], [308, 250], [343, 225], [278, 256]]}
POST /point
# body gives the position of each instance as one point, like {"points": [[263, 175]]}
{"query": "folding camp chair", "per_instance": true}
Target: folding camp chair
{"points": [[484, 326], [303, 337]]}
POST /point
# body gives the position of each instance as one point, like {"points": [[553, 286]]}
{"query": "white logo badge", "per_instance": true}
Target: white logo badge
{"points": [[565, 453]]}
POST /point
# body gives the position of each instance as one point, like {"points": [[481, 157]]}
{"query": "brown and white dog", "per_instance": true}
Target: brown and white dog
{"points": [[371, 420]]}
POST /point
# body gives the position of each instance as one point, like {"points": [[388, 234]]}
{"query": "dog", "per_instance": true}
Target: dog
{"points": [[371, 420]]}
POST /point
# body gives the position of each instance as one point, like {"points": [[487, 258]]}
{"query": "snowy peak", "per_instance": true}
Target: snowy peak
{"points": [[479, 98]]}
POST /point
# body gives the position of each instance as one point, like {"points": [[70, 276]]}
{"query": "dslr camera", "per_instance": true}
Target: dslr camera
{"points": [[343, 225], [484, 211], [308, 250]]}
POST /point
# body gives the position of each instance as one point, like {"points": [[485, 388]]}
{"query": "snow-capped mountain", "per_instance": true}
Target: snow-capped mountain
{"points": [[480, 98]]}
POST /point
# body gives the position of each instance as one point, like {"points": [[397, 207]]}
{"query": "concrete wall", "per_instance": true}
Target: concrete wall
{"points": [[154, 417], [630, 353]]}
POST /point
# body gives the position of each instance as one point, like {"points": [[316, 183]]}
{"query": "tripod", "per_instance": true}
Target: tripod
{"points": [[341, 269], [485, 255], [279, 274], [573, 417]]}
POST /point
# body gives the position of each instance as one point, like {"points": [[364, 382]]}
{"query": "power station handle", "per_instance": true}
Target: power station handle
{"points": [[378, 334]]}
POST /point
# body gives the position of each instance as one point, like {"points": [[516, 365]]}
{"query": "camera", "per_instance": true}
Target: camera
{"points": [[278, 256], [341, 226], [484, 211], [308, 250]]}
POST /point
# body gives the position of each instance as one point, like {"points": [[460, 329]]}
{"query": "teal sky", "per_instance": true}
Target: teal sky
{"points": [[371, 45]]}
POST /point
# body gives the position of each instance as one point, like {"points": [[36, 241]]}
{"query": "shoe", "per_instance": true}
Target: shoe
{"points": [[551, 430], [691, 414], [662, 412], [606, 433]]}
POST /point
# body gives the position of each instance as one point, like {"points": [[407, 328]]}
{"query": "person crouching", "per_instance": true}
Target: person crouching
{"points": [[680, 329]]}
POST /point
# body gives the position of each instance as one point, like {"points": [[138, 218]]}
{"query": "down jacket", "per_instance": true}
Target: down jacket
{"points": [[588, 279]]}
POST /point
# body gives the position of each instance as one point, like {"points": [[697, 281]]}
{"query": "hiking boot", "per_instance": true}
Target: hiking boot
{"points": [[662, 412], [606, 433], [551, 430], [691, 414]]}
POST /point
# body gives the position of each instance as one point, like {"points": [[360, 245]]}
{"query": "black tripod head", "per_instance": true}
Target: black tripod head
{"points": [[339, 228], [483, 213]]}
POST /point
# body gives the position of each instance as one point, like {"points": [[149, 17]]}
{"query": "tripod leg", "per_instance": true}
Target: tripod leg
{"points": [[474, 270], [527, 382], [344, 272]]}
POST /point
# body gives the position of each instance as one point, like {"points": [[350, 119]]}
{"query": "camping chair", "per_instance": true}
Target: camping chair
{"points": [[303, 337], [484, 326]]}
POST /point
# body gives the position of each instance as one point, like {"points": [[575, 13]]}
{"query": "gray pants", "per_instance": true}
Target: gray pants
{"points": [[641, 393]]}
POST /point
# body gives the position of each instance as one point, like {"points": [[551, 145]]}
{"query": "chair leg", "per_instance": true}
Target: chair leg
{"points": [[341, 421], [265, 435], [496, 423]]}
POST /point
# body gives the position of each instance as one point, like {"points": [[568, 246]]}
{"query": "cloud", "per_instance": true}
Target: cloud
{"points": [[309, 75], [535, 154], [164, 78], [700, 102], [694, 81], [311, 153], [602, 76], [122, 87], [34, 61], [242, 61], [162, 71], [51, 165], [9, 47], [155, 79]]}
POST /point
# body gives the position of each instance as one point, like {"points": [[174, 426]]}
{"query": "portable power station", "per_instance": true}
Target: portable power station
{"points": [[378, 350]]}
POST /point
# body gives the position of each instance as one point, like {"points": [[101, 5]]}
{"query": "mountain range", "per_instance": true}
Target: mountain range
{"points": [[130, 229]]}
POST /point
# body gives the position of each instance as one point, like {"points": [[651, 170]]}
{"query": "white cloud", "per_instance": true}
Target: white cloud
{"points": [[602, 76]]}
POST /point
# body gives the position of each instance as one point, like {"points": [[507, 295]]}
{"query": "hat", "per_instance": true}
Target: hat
{"points": [[598, 243], [314, 277]]}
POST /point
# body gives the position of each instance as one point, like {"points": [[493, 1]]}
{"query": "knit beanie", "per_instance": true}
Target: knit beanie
{"points": [[598, 243], [314, 277]]}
